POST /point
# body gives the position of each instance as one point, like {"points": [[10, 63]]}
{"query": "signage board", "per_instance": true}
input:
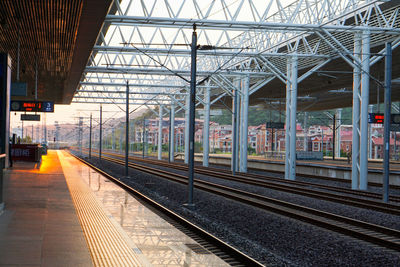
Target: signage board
{"points": [[19, 89], [275, 125], [379, 118], [30, 117], [34, 106]]}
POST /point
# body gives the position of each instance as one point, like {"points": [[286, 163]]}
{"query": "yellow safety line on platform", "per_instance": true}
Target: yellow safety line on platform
{"points": [[106, 244]]}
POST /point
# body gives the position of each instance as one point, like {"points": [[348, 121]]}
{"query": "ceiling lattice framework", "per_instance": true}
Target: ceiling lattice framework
{"points": [[148, 44]]}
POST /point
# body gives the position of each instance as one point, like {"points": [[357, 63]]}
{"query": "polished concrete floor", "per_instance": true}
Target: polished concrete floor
{"points": [[62, 213]]}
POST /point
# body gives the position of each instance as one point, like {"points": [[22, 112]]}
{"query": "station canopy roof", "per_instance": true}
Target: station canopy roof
{"points": [[147, 44], [55, 35]]}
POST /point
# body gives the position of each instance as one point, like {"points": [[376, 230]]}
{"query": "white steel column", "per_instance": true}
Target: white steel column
{"points": [[235, 127], [365, 61], [293, 110], [172, 134], [287, 119], [160, 120], [206, 126], [187, 129], [244, 124], [355, 150]]}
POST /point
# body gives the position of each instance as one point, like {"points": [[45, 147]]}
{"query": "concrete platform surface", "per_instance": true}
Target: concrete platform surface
{"points": [[63, 213]]}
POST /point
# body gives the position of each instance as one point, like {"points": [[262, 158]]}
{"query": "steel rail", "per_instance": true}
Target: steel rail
{"points": [[209, 242], [257, 181], [379, 235], [261, 177]]}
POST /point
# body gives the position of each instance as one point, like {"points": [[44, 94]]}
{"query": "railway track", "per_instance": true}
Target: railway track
{"points": [[372, 233], [290, 187], [208, 243]]}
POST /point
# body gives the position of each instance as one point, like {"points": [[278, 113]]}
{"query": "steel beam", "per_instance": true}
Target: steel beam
{"points": [[240, 25]]}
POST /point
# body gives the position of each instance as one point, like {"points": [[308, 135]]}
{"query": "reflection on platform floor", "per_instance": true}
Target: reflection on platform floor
{"points": [[160, 242]]}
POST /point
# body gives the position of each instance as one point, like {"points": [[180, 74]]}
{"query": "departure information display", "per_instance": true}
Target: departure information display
{"points": [[33, 106]]}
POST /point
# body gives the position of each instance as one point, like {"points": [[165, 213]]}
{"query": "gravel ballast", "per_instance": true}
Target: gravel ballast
{"points": [[272, 239]]}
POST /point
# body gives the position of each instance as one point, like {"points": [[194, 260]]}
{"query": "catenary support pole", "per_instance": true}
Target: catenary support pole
{"points": [[355, 150], [365, 62], [100, 132], [206, 126], [127, 130], [334, 137], [143, 136], [159, 145], [338, 131], [388, 105], [172, 133], [90, 137], [187, 119], [113, 139], [192, 106], [305, 144]]}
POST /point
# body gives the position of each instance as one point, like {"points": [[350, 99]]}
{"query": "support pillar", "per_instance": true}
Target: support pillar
{"points": [[159, 146], [235, 128], [365, 62], [244, 124], [172, 133], [206, 126], [293, 110], [287, 119], [355, 150]]}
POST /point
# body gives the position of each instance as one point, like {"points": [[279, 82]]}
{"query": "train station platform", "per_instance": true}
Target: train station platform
{"points": [[63, 213]]}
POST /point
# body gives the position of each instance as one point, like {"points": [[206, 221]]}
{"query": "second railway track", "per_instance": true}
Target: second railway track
{"points": [[382, 236]]}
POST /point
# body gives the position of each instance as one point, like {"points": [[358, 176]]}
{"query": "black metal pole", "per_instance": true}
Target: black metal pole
{"points": [[192, 116], [334, 136], [127, 129], [90, 137], [387, 120], [100, 137]]}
